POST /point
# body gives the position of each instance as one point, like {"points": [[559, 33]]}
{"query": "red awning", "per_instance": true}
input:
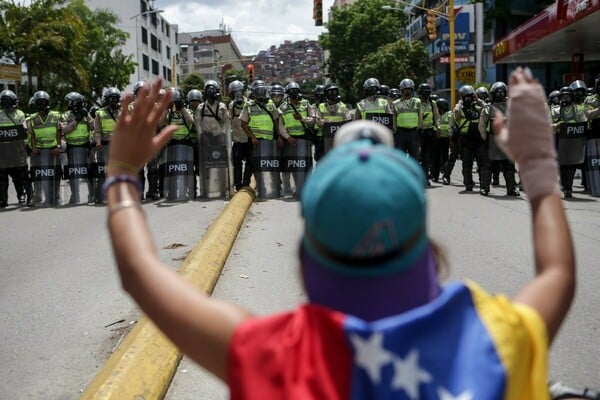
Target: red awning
{"points": [[554, 35]]}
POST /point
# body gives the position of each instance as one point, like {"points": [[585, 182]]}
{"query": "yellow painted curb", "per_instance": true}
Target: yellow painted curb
{"points": [[144, 364]]}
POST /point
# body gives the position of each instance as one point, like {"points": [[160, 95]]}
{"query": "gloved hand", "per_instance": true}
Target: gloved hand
{"points": [[528, 138]]}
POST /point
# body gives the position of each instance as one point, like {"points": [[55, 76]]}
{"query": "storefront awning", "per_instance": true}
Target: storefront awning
{"points": [[555, 34]]}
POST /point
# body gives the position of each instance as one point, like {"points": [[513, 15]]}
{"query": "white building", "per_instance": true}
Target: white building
{"points": [[152, 40]]}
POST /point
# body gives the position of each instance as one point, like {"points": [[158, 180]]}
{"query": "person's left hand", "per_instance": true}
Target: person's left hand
{"points": [[134, 142]]}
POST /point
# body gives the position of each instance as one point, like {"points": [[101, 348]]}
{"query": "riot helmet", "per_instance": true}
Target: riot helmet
{"points": [[407, 87], [137, 86], [579, 90], [75, 101], [554, 98], [212, 90], [257, 83], [8, 100], [499, 92], [384, 90], [31, 105], [176, 98], [319, 93], [236, 86], [292, 89], [443, 105], [482, 93], [41, 100], [467, 94], [332, 92], [566, 95], [394, 93], [371, 87], [195, 95], [277, 92], [260, 94], [424, 90], [112, 97]]}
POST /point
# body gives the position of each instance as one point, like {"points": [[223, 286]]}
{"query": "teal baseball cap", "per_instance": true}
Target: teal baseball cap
{"points": [[364, 209]]}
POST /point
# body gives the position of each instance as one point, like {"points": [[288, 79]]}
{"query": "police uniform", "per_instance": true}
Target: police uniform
{"points": [[408, 119], [472, 146], [592, 103], [376, 108], [13, 156], [329, 116], [444, 139], [429, 127], [45, 135], [104, 126], [570, 129], [76, 131], [241, 151], [178, 179]]}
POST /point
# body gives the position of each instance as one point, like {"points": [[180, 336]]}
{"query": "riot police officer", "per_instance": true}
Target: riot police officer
{"points": [[46, 138], [592, 148], [570, 128], [408, 117], [212, 124], [104, 125], [498, 160], [483, 94], [331, 115], [194, 99], [298, 117], [76, 126], [374, 107], [241, 151], [13, 153], [466, 116], [429, 131], [444, 139], [277, 93]]}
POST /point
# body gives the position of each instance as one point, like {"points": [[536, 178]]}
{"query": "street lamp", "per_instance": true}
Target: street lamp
{"points": [[137, 36]]}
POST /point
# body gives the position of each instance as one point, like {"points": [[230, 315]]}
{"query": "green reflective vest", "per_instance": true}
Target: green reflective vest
{"points": [[407, 113], [379, 107], [46, 135], [293, 126], [182, 132], [107, 122], [427, 110], [445, 124], [261, 124], [80, 135]]}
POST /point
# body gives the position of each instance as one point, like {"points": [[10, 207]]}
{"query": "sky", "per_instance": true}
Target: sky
{"points": [[255, 25]]}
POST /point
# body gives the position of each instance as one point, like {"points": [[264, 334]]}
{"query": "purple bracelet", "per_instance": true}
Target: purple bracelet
{"points": [[111, 180]]}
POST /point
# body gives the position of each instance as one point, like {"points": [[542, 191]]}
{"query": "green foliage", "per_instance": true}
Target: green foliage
{"points": [[192, 81], [356, 31], [393, 62], [66, 46]]}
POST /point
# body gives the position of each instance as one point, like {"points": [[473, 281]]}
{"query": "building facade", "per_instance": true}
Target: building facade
{"points": [[152, 40]]}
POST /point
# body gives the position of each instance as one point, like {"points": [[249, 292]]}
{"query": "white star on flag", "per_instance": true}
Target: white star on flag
{"points": [[370, 354], [408, 375], [446, 395]]}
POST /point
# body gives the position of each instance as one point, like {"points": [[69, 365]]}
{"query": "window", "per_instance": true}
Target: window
{"points": [[143, 6], [168, 49], [165, 73], [155, 67], [153, 42], [162, 25], [146, 62], [169, 72], [144, 35], [159, 46], [168, 31], [154, 19]]}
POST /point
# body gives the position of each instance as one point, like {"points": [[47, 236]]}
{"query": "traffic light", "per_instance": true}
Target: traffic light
{"points": [[250, 68], [318, 12], [431, 31]]}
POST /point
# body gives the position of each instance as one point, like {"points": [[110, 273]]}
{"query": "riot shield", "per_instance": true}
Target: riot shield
{"points": [[267, 169], [179, 172], [495, 152], [571, 143], [98, 160], [296, 165], [214, 166], [45, 175], [329, 130], [386, 120], [592, 152], [76, 185]]}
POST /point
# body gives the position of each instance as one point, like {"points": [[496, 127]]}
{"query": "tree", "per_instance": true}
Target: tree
{"points": [[191, 81], [356, 31], [393, 62]]}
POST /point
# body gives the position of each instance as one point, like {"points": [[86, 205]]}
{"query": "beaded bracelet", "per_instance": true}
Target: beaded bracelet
{"points": [[111, 180]]}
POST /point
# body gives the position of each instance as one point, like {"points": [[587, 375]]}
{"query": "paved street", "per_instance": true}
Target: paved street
{"points": [[59, 289]]}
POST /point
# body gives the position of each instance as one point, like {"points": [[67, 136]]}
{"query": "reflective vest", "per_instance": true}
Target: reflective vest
{"points": [[427, 110], [182, 132], [379, 107], [107, 122], [407, 113], [46, 135], [445, 124], [261, 123], [80, 135], [15, 120], [193, 134], [293, 126]]}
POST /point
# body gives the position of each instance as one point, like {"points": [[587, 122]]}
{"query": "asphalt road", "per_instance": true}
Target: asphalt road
{"points": [[59, 290]]}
